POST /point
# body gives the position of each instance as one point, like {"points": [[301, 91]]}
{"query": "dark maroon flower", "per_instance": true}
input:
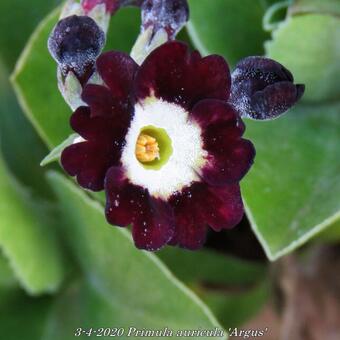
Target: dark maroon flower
{"points": [[263, 89], [75, 43], [164, 143]]}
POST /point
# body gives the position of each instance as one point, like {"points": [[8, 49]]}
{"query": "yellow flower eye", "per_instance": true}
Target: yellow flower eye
{"points": [[147, 149]]}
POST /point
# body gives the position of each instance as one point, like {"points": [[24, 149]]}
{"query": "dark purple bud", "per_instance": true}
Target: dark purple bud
{"points": [[170, 15], [75, 43], [263, 89], [111, 5]]}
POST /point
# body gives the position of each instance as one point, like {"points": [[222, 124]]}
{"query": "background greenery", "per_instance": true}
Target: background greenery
{"points": [[63, 267]]}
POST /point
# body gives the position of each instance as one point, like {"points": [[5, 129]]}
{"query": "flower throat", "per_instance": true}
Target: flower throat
{"points": [[153, 147]]}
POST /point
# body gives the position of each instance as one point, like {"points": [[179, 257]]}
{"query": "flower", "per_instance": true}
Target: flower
{"points": [[263, 89], [164, 143]]}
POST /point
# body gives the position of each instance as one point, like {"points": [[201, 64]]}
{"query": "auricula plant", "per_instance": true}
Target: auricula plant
{"points": [[161, 130]]}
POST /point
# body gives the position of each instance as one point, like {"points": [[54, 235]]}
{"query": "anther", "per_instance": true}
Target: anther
{"points": [[147, 149]]}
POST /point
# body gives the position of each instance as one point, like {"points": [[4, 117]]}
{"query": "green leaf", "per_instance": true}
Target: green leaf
{"points": [[21, 147], [211, 267], [309, 47], [27, 239], [18, 19], [275, 14], [36, 82], [55, 154], [83, 305], [124, 29], [231, 28], [23, 317], [331, 7], [80, 305], [297, 165], [233, 308], [131, 284], [7, 278], [293, 190], [331, 234], [234, 289]]}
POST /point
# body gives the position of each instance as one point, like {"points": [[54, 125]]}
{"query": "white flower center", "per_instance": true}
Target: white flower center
{"points": [[187, 157]]}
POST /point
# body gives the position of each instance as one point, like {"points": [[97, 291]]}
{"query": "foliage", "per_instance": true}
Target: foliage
{"points": [[53, 236]]}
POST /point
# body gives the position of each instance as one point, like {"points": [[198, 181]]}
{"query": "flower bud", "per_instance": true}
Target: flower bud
{"points": [[110, 5], [171, 15], [263, 89], [75, 43]]}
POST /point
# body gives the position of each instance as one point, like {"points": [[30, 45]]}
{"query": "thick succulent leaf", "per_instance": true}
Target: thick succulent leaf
{"points": [[28, 239], [331, 234], [293, 190], [21, 147], [23, 317], [18, 19], [35, 83], [84, 305], [80, 305], [7, 278], [123, 30], [233, 289], [208, 266], [35, 75], [231, 28], [331, 7], [234, 308], [117, 271], [275, 14], [309, 46]]}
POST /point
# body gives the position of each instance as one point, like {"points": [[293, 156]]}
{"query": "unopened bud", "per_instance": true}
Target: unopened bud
{"points": [[170, 15], [75, 43], [110, 5], [263, 89]]}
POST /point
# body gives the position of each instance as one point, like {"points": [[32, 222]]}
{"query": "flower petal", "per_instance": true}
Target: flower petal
{"points": [[209, 111], [229, 156], [120, 197], [223, 206], [189, 233], [152, 219], [101, 101], [105, 128], [153, 225], [228, 164], [200, 205], [174, 74], [118, 71], [89, 161]]}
